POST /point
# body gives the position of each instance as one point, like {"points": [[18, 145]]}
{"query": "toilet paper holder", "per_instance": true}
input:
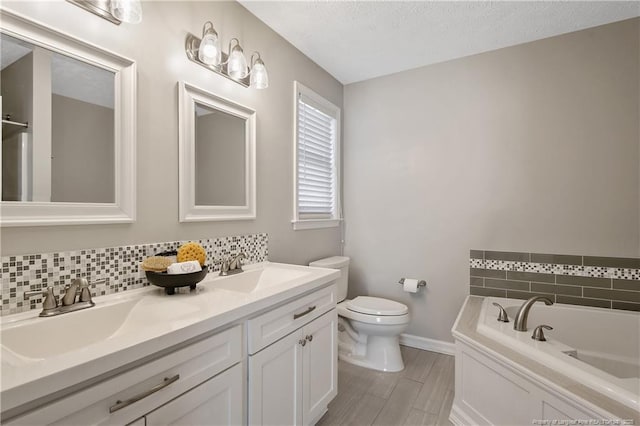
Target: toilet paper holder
{"points": [[421, 283]]}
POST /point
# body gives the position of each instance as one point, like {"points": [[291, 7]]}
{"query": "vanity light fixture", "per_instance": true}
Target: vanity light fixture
{"points": [[207, 53], [114, 11]]}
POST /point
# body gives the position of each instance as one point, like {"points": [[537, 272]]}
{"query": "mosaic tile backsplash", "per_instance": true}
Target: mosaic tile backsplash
{"points": [[605, 282], [109, 270]]}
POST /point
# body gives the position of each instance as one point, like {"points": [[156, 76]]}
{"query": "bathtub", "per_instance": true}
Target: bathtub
{"points": [[589, 367], [599, 347]]}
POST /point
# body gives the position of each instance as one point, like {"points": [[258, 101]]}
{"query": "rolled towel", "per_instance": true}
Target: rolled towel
{"points": [[184, 267]]}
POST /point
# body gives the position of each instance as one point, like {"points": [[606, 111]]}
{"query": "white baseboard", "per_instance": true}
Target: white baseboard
{"points": [[427, 344]]}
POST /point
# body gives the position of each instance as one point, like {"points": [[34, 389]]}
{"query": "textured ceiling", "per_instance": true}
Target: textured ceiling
{"points": [[69, 77], [359, 40]]}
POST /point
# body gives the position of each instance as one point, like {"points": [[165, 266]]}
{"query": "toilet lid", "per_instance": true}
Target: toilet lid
{"points": [[376, 306]]}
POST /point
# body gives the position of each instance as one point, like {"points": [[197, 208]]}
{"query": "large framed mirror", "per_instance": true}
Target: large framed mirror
{"points": [[217, 157], [68, 128]]}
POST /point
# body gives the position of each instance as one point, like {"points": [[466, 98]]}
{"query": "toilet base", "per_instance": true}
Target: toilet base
{"points": [[382, 353]]}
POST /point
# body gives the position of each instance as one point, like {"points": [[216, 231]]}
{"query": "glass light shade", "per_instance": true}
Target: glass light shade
{"points": [[209, 51], [259, 76], [237, 66], [127, 10]]}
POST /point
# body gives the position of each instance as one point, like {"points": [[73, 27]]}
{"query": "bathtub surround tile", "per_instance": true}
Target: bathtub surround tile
{"points": [[488, 273], [610, 282], [513, 294], [531, 276], [584, 281], [556, 289], [612, 262], [626, 306], [487, 292], [507, 255], [476, 282], [109, 270], [632, 285], [476, 254], [620, 295], [506, 284], [583, 301], [561, 259]]}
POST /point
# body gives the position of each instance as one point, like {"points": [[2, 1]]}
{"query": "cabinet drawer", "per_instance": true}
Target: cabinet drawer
{"points": [[168, 377], [269, 327]]}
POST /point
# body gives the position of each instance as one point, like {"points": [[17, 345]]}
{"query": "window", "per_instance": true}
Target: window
{"points": [[317, 161]]}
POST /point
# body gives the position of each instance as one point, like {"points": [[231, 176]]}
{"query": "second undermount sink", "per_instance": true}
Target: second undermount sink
{"points": [[39, 338], [257, 279]]}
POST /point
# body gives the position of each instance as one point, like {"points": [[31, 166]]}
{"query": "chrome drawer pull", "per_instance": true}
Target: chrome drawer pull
{"points": [[121, 404], [301, 314]]}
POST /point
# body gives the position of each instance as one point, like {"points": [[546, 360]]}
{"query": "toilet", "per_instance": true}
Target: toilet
{"points": [[369, 327]]}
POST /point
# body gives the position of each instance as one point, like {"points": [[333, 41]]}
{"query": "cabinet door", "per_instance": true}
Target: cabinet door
{"points": [[320, 366], [218, 401], [275, 383]]}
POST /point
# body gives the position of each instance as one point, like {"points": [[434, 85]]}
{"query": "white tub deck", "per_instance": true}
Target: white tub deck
{"points": [[517, 362]]}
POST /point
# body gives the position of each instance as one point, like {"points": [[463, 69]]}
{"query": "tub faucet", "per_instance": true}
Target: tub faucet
{"points": [[520, 322]]}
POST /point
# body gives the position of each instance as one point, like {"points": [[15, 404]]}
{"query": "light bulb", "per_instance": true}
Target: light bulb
{"points": [[237, 66], [259, 76], [209, 51], [127, 10]]}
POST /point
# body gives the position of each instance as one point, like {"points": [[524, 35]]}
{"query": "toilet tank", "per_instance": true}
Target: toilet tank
{"points": [[336, 262]]}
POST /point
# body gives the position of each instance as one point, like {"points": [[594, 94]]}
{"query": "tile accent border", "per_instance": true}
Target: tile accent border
{"points": [[109, 270], [606, 282]]}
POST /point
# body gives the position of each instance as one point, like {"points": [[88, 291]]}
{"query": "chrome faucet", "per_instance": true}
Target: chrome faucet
{"points": [[68, 302], [233, 266], [520, 322]]}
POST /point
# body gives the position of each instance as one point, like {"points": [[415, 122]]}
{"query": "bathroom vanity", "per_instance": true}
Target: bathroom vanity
{"points": [[257, 347]]}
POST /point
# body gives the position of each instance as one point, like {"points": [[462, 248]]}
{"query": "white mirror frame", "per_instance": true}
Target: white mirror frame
{"points": [[189, 212], [123, 210]]}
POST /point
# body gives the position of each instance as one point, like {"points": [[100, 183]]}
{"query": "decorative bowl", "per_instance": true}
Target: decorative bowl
{"points": [[171, 281]]}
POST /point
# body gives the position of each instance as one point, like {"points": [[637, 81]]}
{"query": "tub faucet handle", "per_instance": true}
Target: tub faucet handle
{"points": [[502, 315], [538, 333]]}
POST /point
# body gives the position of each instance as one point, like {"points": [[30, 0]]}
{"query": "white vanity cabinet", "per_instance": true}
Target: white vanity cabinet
{"points": [[201, 379], [218, 401], [292, 378]]}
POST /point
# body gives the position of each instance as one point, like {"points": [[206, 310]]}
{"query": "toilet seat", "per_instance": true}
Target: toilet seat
{"points": [[345, 312], [376, 306]]}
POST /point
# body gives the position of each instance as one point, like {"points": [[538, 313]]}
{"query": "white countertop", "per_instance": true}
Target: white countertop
{"points": [[155, 322]]}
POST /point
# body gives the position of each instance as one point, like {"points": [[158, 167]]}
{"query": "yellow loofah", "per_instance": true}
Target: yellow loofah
{"points": [[192, 251]]}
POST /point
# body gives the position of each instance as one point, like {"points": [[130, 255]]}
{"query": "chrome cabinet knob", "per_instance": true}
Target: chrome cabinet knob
{"points": [[302, 342], [309, 337]]}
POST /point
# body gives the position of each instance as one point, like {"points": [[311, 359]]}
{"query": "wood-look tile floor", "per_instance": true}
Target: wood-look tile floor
{"points": [[421, 394]]}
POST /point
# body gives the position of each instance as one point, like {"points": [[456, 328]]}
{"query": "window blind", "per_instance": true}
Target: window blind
{"points": [[316, 160]]}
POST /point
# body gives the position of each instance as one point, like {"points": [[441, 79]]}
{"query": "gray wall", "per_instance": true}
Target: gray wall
{"points": [[82, 163], [531, 148], [157, 45]]}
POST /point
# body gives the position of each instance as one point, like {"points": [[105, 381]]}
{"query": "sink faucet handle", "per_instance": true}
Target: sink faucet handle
{"points": [[236, 261], [85, 293], [502, 315], [50, 299], [538, 333]]}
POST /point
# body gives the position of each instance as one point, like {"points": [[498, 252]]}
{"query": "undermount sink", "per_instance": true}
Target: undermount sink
{"points": [[256, 279], [45, 337]]}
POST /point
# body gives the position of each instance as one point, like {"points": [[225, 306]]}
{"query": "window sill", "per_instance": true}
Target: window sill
{"points": [[315, 224]]}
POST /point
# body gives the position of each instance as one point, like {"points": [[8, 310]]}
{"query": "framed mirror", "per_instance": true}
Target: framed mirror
{"points": [[68, 128], [217, 157]]}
